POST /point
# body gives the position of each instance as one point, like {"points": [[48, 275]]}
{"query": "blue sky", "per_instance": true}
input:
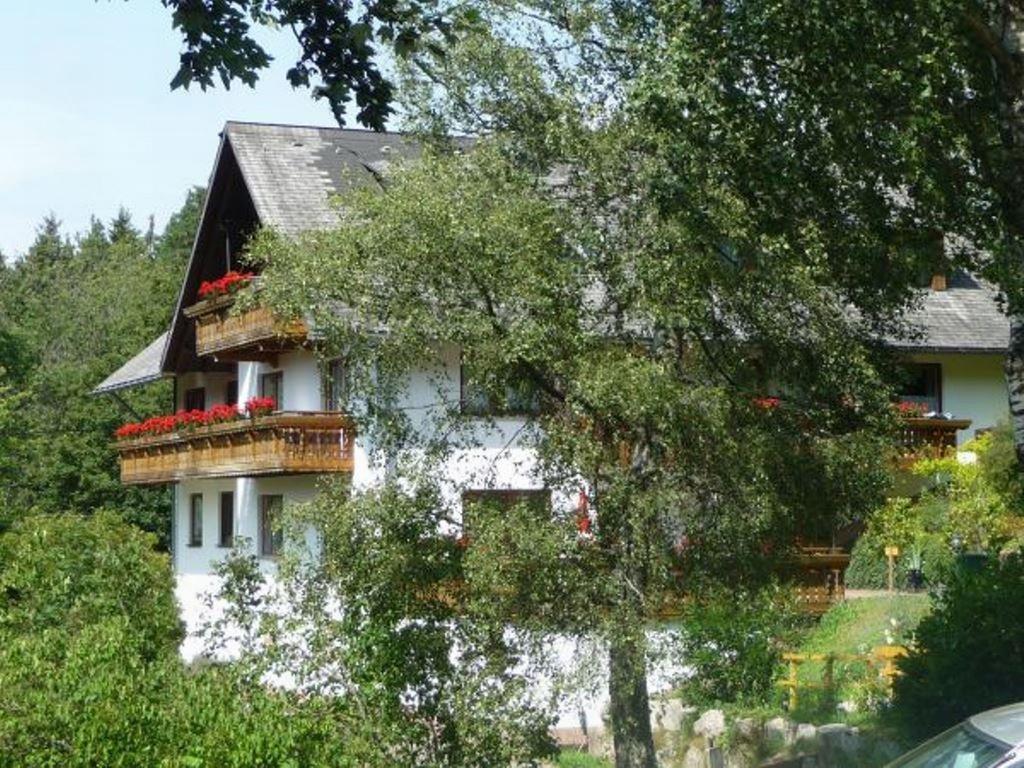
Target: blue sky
{"points": [[88, 122]]}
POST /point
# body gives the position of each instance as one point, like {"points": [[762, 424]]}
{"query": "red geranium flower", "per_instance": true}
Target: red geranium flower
{"points": [[231, 282]]}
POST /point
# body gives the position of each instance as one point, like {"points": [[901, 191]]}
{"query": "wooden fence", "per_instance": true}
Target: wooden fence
{"points": [[882, 660]]}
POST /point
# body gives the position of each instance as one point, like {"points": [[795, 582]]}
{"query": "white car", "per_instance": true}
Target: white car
{"points": [[990, 739]]}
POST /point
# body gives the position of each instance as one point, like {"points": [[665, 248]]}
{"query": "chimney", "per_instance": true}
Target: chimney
{"points": [[939, 281]]}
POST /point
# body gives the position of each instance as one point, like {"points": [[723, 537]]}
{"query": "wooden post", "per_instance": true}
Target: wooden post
{"points": [[792, 681], [891, 553]]}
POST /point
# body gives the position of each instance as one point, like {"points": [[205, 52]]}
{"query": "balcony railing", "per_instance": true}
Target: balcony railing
{"points": [[820, 578], [254, 334], [933, 437], [278, 444]]}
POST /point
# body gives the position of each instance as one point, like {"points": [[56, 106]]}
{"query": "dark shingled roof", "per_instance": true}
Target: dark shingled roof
{"points": [[292, 172], [963, 318]]}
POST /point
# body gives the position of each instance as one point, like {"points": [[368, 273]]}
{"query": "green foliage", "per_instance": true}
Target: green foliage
{"points": [[968, 653], [734, 640], [998, 464], [339, 42], [869, 567], [74, 312], [61, 574], [429, 683], [975, 504], [90, 673], [570, 759]]}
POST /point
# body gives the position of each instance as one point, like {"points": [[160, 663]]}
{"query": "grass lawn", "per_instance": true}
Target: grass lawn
{"points": [[854, 627], [857, 626]]}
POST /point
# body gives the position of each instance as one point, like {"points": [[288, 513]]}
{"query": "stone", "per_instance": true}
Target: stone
{"points": [[695, 757], [805, 732], [778, 729], [747, 728], [670, 714], [839, 740], [710, 725]]}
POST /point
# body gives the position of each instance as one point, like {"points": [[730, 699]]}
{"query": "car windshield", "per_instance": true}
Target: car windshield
{"points": [[956, 748]]}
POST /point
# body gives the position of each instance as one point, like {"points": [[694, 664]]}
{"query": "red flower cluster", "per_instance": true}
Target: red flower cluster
{"points": [[909, 409], [260, 406], [186, 420], [231, 282], [767, 403]]}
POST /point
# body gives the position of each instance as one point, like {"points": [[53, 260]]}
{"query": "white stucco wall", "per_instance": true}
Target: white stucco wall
{"points": [[973, 387]]}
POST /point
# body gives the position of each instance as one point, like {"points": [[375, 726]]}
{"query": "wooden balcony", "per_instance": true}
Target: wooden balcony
{"points": [[930, 437], [820, 578], [255, 334], [278, 444]]}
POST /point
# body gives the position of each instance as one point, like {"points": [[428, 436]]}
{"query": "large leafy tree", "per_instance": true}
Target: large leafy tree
{"points": [[71, 312], [650, 345], [341, 43]]}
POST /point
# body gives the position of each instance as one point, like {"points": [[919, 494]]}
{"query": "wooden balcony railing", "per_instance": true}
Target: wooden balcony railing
{"points": [[820, 578], [254, 334], [919, 435], [278, 444]]}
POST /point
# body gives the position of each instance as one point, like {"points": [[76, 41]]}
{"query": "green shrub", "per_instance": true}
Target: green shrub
{"points": [[60, 574], [104, 704], [969, 653], [733, 641], [90, 673], [869, 568]]}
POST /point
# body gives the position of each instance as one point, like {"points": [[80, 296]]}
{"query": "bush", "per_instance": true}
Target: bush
{"points": [[60, 574], [733, 641], [90, 673], [969, 653], [869, 568], [104, 703]]}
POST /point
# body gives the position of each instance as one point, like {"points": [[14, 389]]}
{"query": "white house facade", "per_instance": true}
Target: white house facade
{"points": [[231, 479]]}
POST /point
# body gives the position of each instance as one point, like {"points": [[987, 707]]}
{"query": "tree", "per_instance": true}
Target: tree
{"points": [[90, 672], [900, 126], [967, 654], [71, 312], [340, 44], [647, 345]]}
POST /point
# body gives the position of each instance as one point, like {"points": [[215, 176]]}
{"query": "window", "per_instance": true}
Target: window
{"points": [[334, 385], [227, 519], [922, 384], [195, 399], [271, 535], [195, 520], [231, 393], [272, 385], [519, 397]]}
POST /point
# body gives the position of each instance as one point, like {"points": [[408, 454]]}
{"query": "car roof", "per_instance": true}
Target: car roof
{"points": [[1006, 724]]}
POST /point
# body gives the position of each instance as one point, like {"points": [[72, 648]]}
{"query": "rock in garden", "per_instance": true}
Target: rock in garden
{"points": [[711, 724], [779, 729], [805, 732]]}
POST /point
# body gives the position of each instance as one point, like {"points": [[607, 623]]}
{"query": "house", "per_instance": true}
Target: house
{"points": [[954, 361], [232, 477]]}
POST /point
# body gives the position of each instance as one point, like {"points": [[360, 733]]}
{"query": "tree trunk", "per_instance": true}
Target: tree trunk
{"points": [[630, 703], [1015, 383], [1002, 37]]}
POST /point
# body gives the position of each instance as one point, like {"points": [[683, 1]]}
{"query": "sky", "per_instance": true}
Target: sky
{"points": [[88, 122]]}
